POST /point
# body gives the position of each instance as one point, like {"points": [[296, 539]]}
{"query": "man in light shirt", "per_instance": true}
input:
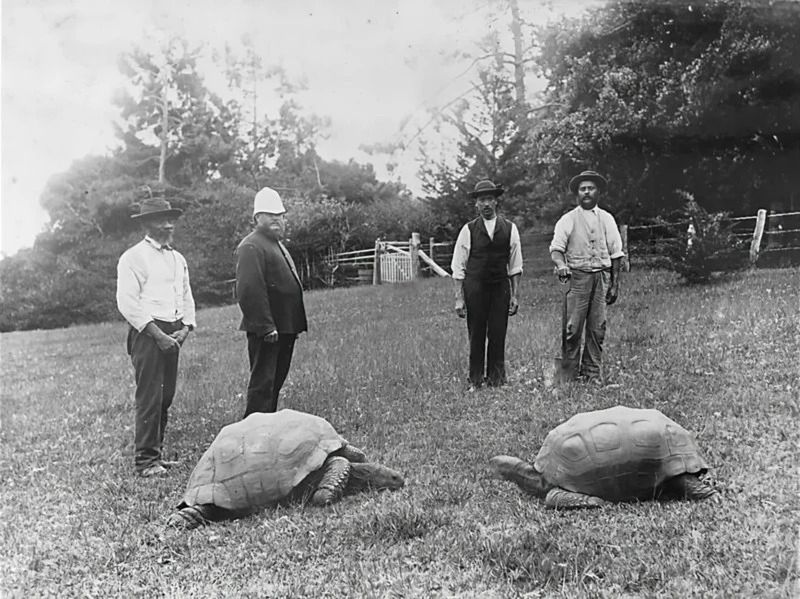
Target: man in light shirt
{"points": [[587, 252], [486, 266], [154, 296]]}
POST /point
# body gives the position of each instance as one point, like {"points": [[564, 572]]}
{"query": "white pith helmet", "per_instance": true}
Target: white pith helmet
{"points": [[267, 200]]}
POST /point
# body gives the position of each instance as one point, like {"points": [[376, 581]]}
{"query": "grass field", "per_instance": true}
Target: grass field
{"points": [[387, 366]]}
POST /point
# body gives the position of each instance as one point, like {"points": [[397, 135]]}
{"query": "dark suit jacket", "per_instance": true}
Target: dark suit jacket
{"points": [[267, 287]]}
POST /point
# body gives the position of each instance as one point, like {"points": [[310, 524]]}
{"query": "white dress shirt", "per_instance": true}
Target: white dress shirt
{"points": [[464, 243], [153, 283]]}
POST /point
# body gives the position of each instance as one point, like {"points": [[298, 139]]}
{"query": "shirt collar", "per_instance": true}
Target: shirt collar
{"points": [[155, 245]]}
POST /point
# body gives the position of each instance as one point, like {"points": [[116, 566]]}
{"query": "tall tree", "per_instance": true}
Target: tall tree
{"points": [[170, 116], [700, 96]]}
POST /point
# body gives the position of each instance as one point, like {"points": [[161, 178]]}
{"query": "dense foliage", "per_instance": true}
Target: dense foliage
{"points": [[658, 96]]}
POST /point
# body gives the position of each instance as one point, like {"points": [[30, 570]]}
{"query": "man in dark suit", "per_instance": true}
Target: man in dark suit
{"points": [[271, 299], [486, 266]]}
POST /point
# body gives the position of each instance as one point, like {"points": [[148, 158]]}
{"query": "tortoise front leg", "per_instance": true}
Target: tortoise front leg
{"points": [[562, 499], [689, 486], [335, 474], [193, 516]]}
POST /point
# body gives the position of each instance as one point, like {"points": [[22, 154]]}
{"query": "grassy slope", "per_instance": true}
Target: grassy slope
{"points": [[386, 366]]}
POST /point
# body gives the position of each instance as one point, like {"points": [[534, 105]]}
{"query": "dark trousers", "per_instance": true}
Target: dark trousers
{"points": [[156, 373], [269, 366], [584, 317], [487, 321]]}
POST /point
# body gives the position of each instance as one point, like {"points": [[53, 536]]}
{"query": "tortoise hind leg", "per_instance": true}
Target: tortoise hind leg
{"points": [[335, 474], [192, 516], [689, 486], [562, 499]]}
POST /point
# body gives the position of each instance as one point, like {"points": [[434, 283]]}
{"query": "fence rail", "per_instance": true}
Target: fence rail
{"points": [[770, 239], [770, 234]]}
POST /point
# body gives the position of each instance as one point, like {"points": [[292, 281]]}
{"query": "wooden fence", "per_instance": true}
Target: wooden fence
{"points": [[391, 261], [772, 239]]}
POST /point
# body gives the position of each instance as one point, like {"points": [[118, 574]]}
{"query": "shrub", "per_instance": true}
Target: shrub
{"points": [[704, 243]]}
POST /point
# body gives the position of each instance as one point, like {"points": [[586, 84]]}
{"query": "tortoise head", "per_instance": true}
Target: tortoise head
{"points": [[521, 473], [370, 475]]}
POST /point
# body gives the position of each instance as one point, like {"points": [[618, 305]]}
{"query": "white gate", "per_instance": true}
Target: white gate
{"points": [[395, 268]]}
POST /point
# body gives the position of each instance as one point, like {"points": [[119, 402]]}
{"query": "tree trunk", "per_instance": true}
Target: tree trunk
{"points": [[519, 71], [164, 123]]}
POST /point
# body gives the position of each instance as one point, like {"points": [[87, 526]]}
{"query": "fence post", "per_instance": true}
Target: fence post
{"points": [[755, 244], [413, 250], [431, 245], [376, 263], [626, 262]]}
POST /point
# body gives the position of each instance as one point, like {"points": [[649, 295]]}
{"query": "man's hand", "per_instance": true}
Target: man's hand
{"points": [[612, 293], [513, 306], [563, 273], [167, 343], [461, 308], [271, 337], [181, 335]]}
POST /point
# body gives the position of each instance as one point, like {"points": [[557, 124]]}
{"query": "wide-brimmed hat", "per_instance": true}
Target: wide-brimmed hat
{"points": [[596, 177], [486, 187], [153, 207]]}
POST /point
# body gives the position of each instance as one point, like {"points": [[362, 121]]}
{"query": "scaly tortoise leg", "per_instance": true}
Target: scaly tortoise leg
{"points": [[562, 499], [335, 474], [192, 516], [690, 486]]}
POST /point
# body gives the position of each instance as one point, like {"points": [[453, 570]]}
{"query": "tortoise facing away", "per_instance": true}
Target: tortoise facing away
{"points": [[617, 454], [271, 458]]}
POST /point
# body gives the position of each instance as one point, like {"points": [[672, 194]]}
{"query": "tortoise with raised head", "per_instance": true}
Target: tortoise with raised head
{"points": [[617, 454], [271, 458]]}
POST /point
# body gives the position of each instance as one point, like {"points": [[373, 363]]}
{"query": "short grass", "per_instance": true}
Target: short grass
{"points": [[386, 366]]}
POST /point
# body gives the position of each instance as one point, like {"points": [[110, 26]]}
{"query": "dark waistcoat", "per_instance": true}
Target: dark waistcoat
{"points": [[488, 258]]}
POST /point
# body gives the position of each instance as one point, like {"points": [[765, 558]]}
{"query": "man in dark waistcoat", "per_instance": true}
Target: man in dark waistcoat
{"points": [[271, 299], [486, 266]]}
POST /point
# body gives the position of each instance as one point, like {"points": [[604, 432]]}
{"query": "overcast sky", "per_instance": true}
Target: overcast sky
{"points": [[370, 65]]}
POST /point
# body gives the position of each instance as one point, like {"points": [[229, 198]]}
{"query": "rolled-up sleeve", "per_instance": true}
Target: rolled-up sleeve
{"points": [[458, 265], [561, 234], [515, 255], [613, 238], [129, 291]]}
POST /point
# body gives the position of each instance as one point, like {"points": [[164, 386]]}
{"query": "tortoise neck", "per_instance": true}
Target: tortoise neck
{"points": [[369, 475], [362, 477]]}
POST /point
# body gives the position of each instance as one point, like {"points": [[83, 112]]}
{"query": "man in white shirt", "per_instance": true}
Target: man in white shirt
{"points": [[587, 252], [486, 266], [155, 297]]}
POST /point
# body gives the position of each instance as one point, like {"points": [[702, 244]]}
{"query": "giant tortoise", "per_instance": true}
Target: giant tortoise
{"points": [[270, 458], [617, 454]]}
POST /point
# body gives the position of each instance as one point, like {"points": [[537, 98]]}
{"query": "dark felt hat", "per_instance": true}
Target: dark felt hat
{"points": [[597, 178], [153, 207], [486, 187]]}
